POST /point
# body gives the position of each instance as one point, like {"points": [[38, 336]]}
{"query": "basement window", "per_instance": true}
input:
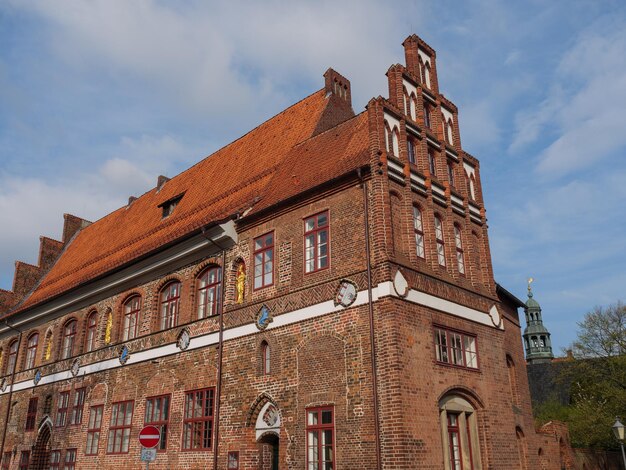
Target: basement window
{"points": [[169, 205]]}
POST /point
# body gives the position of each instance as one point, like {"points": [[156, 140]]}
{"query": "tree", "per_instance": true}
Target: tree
{"points": [[596, 379]]}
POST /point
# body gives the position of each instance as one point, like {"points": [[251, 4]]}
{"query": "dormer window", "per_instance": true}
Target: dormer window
{"points": [[169, 205]]}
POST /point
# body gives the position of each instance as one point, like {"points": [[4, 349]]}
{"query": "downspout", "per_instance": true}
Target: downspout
{"points": [[371, 322], [6, 416], [218, 388]]}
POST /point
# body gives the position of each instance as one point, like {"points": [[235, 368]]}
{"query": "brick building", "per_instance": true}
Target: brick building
{"points": [[317, 294]]}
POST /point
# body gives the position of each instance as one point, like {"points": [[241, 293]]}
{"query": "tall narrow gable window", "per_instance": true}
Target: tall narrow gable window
{"points": [[209, 292], [264, 260], [132, 307], [12, 357], [266, 358], [170, 304], [69, 338], [316, 252], [119, 430], [410, 147], [418, 230], [441, 255], [431, 163], [31, 350], [31, 415], [460, 260], [198, 420], [92, 324]]}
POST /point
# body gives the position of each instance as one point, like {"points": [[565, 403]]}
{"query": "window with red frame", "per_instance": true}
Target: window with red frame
{"points": [[158, 415], [427, 114], [70, 459], [92, 331], [456, 348], [454, 440], [62, 406], [76, 416], [320, 430], [264, 260], [55, 460], [209, 292], [93, 430], [132, 307], [12, 357], [410, 147], [119, 429], [170, 303], [418, 230], [198, 419], [69, 338], [31, 350], [265, 357], [31, 414], [24, 460], [6, 461], [316, 252], [441, 252], [460, 259]]}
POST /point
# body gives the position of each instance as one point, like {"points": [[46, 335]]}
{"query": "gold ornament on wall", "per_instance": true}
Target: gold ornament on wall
{"points": [[109, 327], [241, 283], [48, 352]]}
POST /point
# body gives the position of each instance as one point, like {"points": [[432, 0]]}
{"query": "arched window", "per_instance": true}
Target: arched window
{"points": [[472, 187], [410, 149], [476, 259], [388, 144], [420, 69], [431, 163], [449, 135], [427, 115], [69, 338], [441, 255], [418, 230], [209, 292], [405, 101], [31, 350], [12, 357], [132, 307], [458, 242], [459, 432], [413, 107], [427, 74], [92, 327], [522, 448], [512, 380], [169, 305], [266, 358], [394, 142]]}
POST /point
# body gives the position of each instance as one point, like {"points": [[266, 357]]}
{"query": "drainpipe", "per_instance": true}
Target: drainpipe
{"points": [[371, 321], [6, 416], [218, 388]]}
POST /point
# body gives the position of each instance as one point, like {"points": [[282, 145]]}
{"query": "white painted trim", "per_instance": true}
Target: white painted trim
{"points": [[439, 190], [433, 143], [394, 166], [384, 289], [447, 114], [392, 121], [425, 57]]}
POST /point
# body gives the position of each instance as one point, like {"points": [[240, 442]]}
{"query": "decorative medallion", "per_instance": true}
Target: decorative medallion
{"points": [[3, 384], [346, 293], [75, 367], [263, 318], [124, 355], [495, 317], [37, 376], [270, 417], [183, 340], [400, 284]]}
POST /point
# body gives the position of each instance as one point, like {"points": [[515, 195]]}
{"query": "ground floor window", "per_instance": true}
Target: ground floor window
{"points": [[6, 461], [119, 429], [198, 420], [70, 459], [93, 430], [24, 460], [320, 431], [459, 428], [55, 460], [158, 415]]}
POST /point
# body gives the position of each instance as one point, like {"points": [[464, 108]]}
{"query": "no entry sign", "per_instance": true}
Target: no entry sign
{"points": [[149, 436]]}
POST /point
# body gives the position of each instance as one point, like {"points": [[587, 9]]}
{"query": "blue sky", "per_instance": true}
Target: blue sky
{"points": [[98, 98]]}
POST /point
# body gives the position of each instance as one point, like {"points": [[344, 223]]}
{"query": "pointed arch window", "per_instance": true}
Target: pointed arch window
{"points": [[449, 134], [405, 101], [31, 350], [266, 358], [90, 337], [427, 115], [413, 107], [459, 429], [427, 74], [69, 338], [12, 357], [431, 163], [418, 230], [441, 255], [410, 147], [458, 242], [387, 137], [209, 292], [132, 307], [169, 305]]}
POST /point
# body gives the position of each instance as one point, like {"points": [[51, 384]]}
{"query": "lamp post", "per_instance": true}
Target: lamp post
{"points": [[619, 431]]}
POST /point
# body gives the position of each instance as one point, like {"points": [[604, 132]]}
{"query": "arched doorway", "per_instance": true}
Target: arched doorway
{"points": [[267, 430], [41, 451], [269, 451]]}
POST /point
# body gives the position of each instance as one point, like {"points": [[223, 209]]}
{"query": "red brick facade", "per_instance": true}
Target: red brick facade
{"points": [[310, 399]]}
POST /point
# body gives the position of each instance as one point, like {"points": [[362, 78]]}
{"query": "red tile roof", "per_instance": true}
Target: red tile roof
{"points": [[259, 164]]}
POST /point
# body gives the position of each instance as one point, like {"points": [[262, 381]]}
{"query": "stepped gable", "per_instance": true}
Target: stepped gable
{"points": [[322, 158], [219, 186]]}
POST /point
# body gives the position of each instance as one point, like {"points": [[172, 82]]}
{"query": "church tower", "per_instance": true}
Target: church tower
{"points": [[536, 335]]}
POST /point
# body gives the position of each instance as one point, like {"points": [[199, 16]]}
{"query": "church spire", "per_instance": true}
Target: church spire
{"points": [[536, 336]]}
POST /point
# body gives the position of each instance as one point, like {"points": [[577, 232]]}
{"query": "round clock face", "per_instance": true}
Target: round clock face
{"points": [[184, 338]]}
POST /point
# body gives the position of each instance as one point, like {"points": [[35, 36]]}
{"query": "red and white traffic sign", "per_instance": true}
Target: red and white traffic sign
{"points": [[149, 436]]}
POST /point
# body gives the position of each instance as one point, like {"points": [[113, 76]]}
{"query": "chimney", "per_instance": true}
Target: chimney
{"points": [[71, 225], [338, 85], [161, 180], [131, 199]]}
